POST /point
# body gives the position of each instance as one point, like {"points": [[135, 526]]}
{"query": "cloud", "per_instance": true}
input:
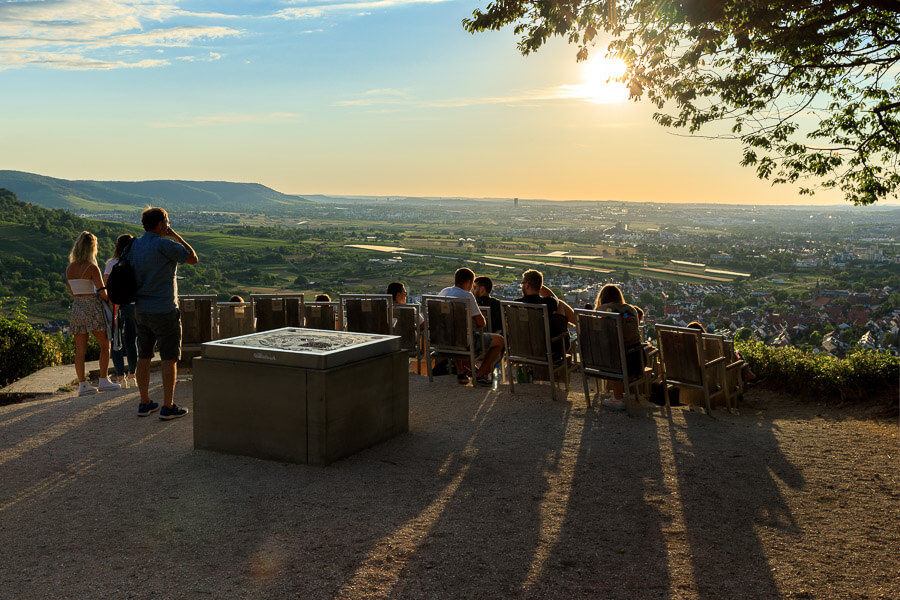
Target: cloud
{"points": [[69, 34], [581, 92], [380, 96], [360, 8], [211, 57], [71, 62], [233, 119], [96, 30]]}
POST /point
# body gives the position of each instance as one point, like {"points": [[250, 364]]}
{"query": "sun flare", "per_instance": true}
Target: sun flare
{"points": [[600, 80]]}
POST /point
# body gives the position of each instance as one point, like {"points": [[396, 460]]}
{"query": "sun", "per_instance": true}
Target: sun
{"points": [[600, 85]]}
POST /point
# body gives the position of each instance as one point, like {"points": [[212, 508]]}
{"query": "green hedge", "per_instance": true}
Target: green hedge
{"points": [[24, 349], [863, 374]]}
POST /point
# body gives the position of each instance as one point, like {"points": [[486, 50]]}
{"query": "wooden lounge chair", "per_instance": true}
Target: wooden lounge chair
{"points": [[367, 313], [528, 344], [601, 343], [449, 331], [686, 364], [235, 319], [198, 320], [274, 311], [321, 315], [406, 326]]}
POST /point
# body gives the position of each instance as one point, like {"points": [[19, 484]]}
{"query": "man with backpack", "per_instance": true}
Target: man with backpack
{"points": [[155, 260]]}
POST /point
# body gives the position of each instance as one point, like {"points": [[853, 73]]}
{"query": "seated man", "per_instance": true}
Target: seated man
{"points": [[488, 344], [561, 314], [482, 292]]}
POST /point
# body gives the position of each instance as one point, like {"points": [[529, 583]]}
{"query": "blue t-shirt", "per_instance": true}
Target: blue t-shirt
{"points": [[155, 261]]}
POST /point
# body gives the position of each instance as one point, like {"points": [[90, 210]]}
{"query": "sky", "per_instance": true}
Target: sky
{"points": [[377, 97]]}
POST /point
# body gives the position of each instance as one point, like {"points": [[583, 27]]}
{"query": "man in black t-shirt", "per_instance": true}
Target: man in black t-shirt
{"points": [[535, 292], [482, 290]]}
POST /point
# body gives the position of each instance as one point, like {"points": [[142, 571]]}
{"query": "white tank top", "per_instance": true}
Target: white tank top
{"points": [[81, 287]]}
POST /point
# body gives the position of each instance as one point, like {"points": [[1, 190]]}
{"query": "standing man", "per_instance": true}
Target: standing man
{"points": [[488, 344], [482, 292], [155, 260]]}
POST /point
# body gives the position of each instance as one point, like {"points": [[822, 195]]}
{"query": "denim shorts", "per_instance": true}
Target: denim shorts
{"points": [[163, 330], [482, 342]]}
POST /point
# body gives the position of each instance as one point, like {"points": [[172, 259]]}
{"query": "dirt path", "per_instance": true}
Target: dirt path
{"points": [[489, 495]]}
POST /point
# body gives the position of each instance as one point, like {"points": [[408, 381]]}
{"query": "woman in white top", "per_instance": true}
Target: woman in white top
{"points": [[84, 279]]}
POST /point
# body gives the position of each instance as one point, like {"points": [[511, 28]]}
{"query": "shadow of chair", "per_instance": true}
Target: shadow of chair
{"points": [[198, 320], [235, 319], [687, 364], [449, 331], [601, 344], [528, 343], [367, 313], [274, 311], [321, 315]]}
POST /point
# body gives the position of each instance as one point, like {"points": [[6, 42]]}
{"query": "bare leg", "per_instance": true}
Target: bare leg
{"points": [[81, 340], [143, 379], [169, 370], [103, 342], [493, 353]]}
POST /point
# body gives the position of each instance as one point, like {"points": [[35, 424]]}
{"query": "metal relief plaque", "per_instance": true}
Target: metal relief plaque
{"points": [[306, 348]]}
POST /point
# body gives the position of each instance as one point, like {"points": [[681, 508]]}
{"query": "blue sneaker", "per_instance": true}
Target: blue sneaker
{"points": [[145, 410], [167, 413]]}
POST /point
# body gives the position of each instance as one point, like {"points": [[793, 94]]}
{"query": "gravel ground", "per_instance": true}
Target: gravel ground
{"points": [[489, 495]]}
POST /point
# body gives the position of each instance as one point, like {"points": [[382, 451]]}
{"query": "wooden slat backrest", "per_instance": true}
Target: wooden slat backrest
{"points": [[293, 313], [320, 315], [273, 311], [406, 327], [526, 333], [448, 321], [713, 346], [196, 319], [681, 350], [728, 348], [486, 313], [234, 319], [598, 339], [368, 315]]}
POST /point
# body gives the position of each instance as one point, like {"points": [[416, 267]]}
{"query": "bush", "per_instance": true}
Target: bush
{"points": [[24, 349], [862, 374]]}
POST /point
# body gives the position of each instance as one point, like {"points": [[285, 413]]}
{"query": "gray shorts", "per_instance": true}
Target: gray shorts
{"points": [[163, 330]]}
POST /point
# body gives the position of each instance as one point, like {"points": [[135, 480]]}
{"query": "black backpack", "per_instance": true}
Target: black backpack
{"points": [[121, 285]]}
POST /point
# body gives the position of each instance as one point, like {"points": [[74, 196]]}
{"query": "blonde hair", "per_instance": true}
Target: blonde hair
{"points": [[85, 249]]}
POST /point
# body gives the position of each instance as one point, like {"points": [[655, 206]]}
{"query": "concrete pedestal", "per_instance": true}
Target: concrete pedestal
{"points": [[297, 413]]}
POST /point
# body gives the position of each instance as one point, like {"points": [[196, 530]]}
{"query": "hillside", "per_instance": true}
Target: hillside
{"points": [[116, 196]]}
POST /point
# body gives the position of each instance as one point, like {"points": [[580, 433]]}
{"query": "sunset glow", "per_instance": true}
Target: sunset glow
{"points": [[601, 85]]}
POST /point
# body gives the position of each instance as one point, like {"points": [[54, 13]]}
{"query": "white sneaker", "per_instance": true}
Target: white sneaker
{"points": [[613, 403], [123, 382], [105, 385], [86, 389]]}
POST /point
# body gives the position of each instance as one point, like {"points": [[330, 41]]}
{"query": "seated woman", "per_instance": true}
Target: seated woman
{"points": [[611, 299], [397, 290]]}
